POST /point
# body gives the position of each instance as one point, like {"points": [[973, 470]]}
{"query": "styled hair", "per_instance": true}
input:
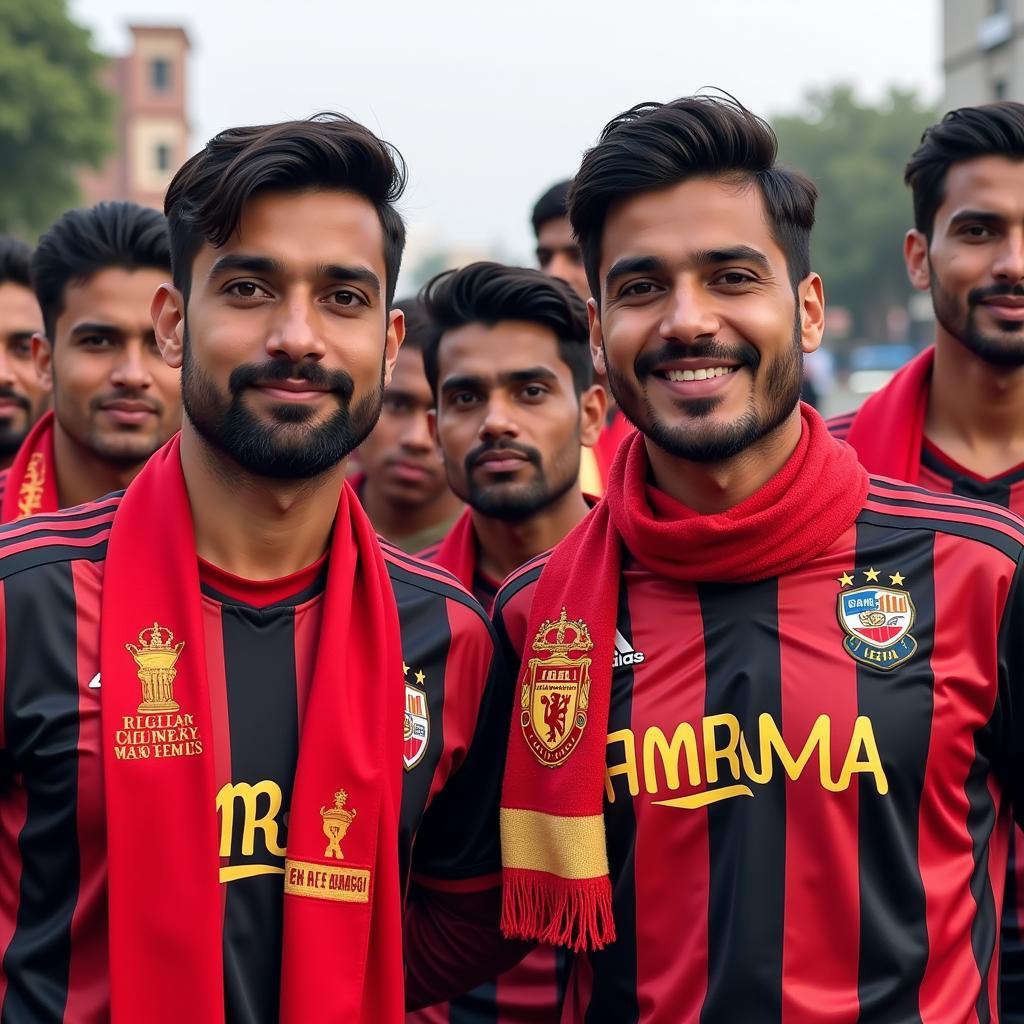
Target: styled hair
{"points": [[417, 324], [656, 145], [83, 242], [15, 261], [553, 205], [488, 293], [995, 129], [327, 151]]}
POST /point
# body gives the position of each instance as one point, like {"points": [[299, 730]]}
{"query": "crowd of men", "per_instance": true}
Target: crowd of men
{"points": [[524, 650]]}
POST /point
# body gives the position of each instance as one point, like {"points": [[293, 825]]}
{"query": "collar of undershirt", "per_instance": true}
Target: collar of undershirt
{"points": [[285, 590]]}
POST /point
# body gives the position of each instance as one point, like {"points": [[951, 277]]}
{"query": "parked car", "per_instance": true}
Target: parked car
{"points": [[873, 366]]}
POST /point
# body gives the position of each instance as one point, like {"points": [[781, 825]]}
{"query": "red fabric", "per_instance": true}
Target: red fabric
{"points": [[797, 514], [32, 478], [259, 593], [614, 433], [162, 832], [457, 552], [888, 429]]}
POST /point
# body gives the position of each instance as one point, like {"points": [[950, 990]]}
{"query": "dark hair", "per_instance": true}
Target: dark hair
{"points": [[205, 199], [996, 129], [15, 261], [489, 293], [553, 205], [418, 326], [656, 145], [83, 242]]}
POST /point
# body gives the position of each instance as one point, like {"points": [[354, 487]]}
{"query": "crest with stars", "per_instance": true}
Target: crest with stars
{"points": [[876, 618], [417, 719]]}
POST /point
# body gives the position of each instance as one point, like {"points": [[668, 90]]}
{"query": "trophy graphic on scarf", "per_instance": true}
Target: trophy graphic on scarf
{"points": [[336, 823], [156, 658]]}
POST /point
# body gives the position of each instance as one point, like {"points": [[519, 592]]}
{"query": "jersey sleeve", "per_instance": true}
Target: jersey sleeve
{"points": [[458, 846], [1011, 692]]}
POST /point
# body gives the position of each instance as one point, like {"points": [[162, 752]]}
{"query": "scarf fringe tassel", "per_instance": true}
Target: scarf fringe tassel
{"points": [[576, 913]]}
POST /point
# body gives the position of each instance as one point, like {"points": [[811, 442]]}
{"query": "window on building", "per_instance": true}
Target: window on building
{"points": [[160, 74], [162, 156], [998, 6], [1000, 90]]}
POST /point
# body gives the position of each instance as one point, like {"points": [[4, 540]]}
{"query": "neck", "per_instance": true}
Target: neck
{"points": [[975, 410], [82, 475], [274, 528], [711, 487], [397, 521], [505, 546]]}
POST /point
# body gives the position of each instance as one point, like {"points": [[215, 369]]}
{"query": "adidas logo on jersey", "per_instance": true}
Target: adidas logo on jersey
{"points": [[624, 653]]}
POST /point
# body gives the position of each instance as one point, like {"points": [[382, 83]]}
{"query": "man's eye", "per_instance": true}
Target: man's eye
{"points": [[244, 289], [462, 398], [637, 288], [22, 349], [346, 298], [977, 231], [544, 257], [535, 391], [94, 341], [735, 277]]}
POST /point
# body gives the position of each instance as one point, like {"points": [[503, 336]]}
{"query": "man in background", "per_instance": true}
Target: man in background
{"points": [[115, 401], [23, 396], [402, 484]]}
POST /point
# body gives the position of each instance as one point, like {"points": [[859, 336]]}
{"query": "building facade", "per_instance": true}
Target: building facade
{"points": [[982, 51], [152, 119]]}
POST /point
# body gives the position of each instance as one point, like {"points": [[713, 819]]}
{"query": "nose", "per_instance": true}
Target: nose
{"points": [[1009, 266], [498, 421], [689, 314], [416, 435], [293, 335], [132, 369]]}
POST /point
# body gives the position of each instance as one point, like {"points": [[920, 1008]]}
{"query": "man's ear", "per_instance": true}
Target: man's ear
{"points": [[596, 339], [593, 406], [393, 342], [915, 255], [167, 311], [811, 297], [42, 359]]}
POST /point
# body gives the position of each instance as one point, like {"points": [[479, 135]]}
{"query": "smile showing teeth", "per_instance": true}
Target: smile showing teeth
{"points": [[711, 371]]}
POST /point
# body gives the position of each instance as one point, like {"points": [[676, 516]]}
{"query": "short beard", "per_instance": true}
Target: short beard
{"points": [[11, 437], [1005, 349], [278, 450], [782, 380], [520, 502], [10, 440]]}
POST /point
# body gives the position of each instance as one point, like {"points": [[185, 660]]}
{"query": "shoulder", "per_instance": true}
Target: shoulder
{"points": [[839, 426], [416, 580], [73, 534], [900, 506], [513, 601], [430, 553]]}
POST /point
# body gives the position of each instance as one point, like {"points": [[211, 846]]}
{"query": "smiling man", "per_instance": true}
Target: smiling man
{"points": [[115, 401], [233, 723], [953, 419], [792, 807], [402, 483], [23, 396]]}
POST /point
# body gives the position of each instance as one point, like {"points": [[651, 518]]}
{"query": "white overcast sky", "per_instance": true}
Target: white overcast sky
{"points": [[490, 102]]}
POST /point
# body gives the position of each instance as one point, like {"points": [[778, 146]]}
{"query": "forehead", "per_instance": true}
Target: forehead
{"points": [[18, 307], [556, 232], [112, 296], [408, 375], [992, 184], [677, 222], [308, 229], [487, 352]]}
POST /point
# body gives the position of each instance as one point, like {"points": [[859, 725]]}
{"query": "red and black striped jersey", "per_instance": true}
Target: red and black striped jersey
{"points": [[810, 778], [4, 476], [260, 648]]}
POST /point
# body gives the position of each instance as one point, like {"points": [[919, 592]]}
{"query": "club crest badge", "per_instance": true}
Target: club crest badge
{"points": [[877, 621], [556, 690], [416, 734]]}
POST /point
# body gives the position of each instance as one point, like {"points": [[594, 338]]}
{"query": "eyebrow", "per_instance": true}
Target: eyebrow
{"points": [[267, 267], [702, 258], [96, 328], [975, 216], [469, 382]]}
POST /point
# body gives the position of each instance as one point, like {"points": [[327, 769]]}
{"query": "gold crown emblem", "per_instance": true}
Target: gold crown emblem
{"points": [[562, 635], [338, 810], [337, 820], [155, 659]]}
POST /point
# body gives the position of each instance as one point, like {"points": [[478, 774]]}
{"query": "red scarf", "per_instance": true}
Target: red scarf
{"points": [[556, 884], [457, 552], [888, 429], [342, 958], [32, 478]]}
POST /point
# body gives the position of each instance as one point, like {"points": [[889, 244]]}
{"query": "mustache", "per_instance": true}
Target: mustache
{"points": [[10, 395], [252, 374], [473, 456], [128, 396], [704, 348], [992, 291]]}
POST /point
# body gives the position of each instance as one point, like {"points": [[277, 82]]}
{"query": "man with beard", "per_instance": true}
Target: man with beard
{"points": [[559, 255], [115, 401], [401, 482], [509, 366], [209, 804], [795, 807], [22, 394], [953, 419]]}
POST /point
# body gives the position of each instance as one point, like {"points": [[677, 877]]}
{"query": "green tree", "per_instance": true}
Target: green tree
{"points": [[55, 117], [855, 153]]}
